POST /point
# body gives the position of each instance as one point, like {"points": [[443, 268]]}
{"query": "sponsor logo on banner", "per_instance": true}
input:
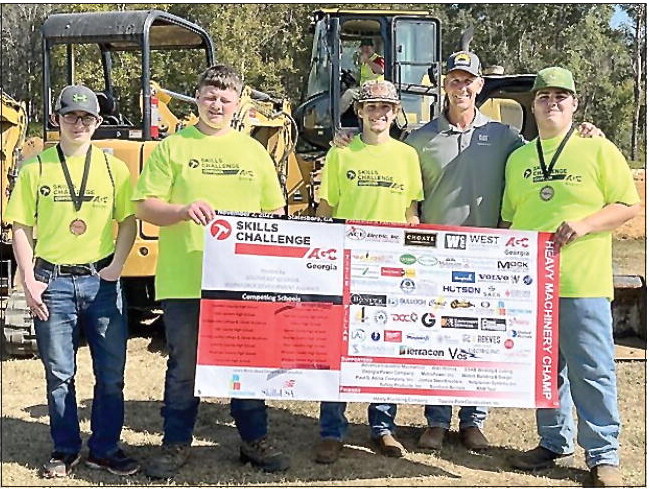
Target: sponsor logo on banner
{"points": [[518, 294], [454, 289], [221, 229], [428, 320], [518, 333], [528, 280], [397, 272], [461, 354], [421, 338], [407, 259], [356, 233], [407, 285], [517, 242], [515, 321], [493, 277], [381, 317], [438, 302], [358, 335], [458, 322], [393, 336], [493, 324], [455, 241], [407, 301], [463, 277], [455, 304], [364, 271], [413, 238], [377, 237], [420, 352], [509, 344], [368, 300], [484, 338], [404, 318], [368, 257], [375, 336], [380, 349], [427, 261], [513, 265], [482, 239]]}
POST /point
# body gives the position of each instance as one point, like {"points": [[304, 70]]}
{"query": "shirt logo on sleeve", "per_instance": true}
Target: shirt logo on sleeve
{"points": [[45, 190]]}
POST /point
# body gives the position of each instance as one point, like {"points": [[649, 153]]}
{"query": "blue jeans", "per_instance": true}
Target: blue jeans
{"points": [[468, 416], [587, 379], [332, 420], [180, 406], [334, 424], [94, 305]]}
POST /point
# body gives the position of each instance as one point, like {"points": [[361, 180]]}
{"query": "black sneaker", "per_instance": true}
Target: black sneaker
{"points": [[60, 465], [261, 454], [539, 458], [117, 463]]}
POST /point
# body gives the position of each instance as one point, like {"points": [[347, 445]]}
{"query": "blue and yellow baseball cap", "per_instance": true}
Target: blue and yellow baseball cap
{"points": [[465, 61]]}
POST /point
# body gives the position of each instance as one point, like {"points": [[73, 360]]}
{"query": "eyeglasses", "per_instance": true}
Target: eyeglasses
{"points": [[86, 120]]}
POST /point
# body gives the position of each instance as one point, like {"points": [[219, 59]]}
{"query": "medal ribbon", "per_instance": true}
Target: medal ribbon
{"points": [[547, 171], [77, 199]]}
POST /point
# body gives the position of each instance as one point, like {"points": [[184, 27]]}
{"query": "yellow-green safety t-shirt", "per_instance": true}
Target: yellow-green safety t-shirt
{"points": [[589, 174], [371, 182], [231, 172], [366, 73], [44, 185]]}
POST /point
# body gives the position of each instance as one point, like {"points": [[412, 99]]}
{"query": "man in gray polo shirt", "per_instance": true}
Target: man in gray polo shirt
{"points": [[462, 156]]}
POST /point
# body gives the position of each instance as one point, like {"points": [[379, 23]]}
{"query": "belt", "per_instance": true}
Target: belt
{"points": [[76, 269]]}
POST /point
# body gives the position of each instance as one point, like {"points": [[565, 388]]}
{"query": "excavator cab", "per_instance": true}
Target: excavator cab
{"points": [[410, 44], [162, 47]]}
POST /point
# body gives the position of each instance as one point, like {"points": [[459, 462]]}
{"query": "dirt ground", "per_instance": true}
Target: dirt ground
{"points": [[26, 444], [635, 228]]}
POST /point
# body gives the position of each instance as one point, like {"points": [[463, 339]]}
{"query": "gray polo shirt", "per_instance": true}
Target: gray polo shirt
{"points": [[463, 170]]}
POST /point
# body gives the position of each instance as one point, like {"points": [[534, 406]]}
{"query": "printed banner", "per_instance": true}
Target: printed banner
{"points": [[297, 308]]}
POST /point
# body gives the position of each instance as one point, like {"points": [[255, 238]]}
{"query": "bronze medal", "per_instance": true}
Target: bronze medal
{"points": [[78, 227], [546, 193]]}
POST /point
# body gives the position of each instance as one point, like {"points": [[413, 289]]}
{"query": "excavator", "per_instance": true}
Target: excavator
{"points": [[143, 110], [137, 114]]}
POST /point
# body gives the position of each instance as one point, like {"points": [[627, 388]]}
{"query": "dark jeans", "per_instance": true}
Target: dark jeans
{"points": [[180, 407]]}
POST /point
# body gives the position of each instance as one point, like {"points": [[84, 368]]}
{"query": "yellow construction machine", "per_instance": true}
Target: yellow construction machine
{"points": [[139, 63], [127, 57]]}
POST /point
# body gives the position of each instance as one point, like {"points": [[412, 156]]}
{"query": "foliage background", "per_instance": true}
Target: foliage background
{"points": [[271, 44]]}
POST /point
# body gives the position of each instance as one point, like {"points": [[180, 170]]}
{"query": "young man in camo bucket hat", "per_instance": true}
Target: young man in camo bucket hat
{"points": [[375, 178]]}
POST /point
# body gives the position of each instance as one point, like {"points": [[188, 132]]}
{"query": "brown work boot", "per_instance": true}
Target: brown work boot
{"points": [[433, 438], [261, 454], [389, 446], [473, 439], [606, 475], [328, 451], [168, 462], [538, 458]]}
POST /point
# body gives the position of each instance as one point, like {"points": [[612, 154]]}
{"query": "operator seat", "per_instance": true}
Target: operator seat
{"points": [[108, 109]]}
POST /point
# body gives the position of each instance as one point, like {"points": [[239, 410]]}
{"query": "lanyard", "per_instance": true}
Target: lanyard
{"points": [[77, 199], [548, 171]]}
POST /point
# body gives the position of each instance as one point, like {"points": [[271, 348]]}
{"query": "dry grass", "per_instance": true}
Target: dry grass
{"points": [[26, 442], [25, 437]]}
